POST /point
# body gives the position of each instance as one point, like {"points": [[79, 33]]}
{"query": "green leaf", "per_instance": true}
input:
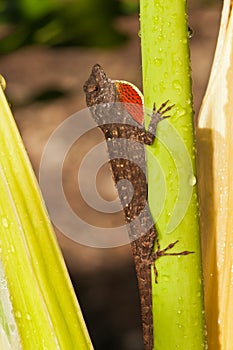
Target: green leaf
{"points": [[44, 305]]}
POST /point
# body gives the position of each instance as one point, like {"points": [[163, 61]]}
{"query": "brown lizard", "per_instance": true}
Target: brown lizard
{"points": [[117, 108]]}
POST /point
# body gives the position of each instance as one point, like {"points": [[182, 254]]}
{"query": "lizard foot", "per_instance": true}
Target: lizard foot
{"points": [[163, 252], [160, 113]]}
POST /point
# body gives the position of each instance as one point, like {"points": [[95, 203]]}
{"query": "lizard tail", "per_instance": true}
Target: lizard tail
{"points": [[143, 271]]}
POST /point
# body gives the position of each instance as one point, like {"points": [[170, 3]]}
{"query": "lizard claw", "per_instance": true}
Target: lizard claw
{"points": [[163, 109]]}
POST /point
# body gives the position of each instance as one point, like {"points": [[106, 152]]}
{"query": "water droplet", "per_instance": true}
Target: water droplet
{"points": [[177, 86], [166, 278], [5, 222], [162, 86], [192, 180], [139, 33], [157, 61], [180, 111], [18, 314], [28, 317]]}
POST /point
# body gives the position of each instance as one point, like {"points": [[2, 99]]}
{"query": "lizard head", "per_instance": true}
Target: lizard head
{"points": [[99, 88]]}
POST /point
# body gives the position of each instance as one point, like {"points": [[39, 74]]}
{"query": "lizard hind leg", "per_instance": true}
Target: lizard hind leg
{"points": [[163, 252]]}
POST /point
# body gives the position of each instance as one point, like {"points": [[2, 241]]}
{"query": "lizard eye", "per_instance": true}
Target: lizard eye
{"points": [[93, 88], [108, 135]]}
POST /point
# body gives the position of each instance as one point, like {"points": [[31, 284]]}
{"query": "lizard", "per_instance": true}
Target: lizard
{"points": [[117, 108]]}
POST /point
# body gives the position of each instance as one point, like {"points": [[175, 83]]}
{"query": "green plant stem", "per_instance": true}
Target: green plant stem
{"points": [[178, 296], [44, 305]]}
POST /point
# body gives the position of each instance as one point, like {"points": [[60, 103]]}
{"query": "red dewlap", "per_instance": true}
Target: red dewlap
{"points": [[129, 94]]}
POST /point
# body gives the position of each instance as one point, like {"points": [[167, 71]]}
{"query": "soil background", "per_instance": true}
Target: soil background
{"points": [[104, 279]]}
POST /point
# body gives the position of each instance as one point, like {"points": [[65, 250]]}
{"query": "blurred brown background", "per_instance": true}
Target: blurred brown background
{"points": [[46, 56]]}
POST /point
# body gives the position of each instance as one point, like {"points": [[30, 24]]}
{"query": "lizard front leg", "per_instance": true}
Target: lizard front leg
{"points": [[157, 116]]}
